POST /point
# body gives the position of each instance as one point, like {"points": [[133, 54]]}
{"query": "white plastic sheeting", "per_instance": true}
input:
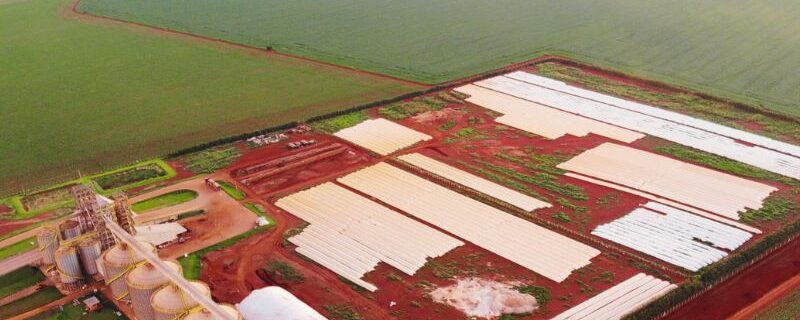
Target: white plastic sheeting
{"points": [[672, 235], [350, 234], [619, 300], [710, 190], [527, 244], [704, 214], [669, 127], [381, 136], [474, 182], [659, 113], [275, 303], [542, 120]]}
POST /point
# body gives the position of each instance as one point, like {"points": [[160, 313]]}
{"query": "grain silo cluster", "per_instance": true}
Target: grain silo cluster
{"points": [[71, 249]]}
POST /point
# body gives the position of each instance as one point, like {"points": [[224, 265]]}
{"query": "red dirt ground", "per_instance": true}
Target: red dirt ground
{"points": [[5, 209], [7, 226], [233, 272], [766, 301], [744, 288], [311, 174]]}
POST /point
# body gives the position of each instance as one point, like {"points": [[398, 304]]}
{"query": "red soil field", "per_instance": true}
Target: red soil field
{"points": [[234, 272], [744, 288], [7, 226], [5, 209]]}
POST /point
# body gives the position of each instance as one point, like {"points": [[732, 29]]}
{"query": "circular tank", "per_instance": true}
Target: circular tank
{"points": [[168, 302], [69, 268], [70, 229], [47, 237], [203, 314], [89, 253], [117, 261], [142, 282]]}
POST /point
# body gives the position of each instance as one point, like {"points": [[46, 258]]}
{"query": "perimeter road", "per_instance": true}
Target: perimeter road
{"points": [[19, 261]]}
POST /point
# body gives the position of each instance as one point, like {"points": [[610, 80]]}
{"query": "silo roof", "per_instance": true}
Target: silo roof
{"points": [[122, 255], [173, 299], [146, 276]]}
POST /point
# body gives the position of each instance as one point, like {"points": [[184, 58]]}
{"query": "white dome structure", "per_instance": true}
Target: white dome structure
{"points": [[276, 303]]}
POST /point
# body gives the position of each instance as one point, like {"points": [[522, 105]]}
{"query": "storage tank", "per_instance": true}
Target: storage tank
{"points": [[47, 237], [204, 314], [117, 261], [142, 282], [69, 268], [70, 229], [89, 251], [170, 301]]}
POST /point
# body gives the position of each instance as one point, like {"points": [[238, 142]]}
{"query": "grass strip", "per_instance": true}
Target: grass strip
{"points": [[232, 190], [165, 200], [40, 298], [19, 279], [18, 248], [336, 124], [723, 164]]}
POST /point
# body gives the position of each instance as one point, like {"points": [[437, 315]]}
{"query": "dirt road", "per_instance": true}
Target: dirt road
{"points": [[224, 217], [19, 261], [766, 300]]}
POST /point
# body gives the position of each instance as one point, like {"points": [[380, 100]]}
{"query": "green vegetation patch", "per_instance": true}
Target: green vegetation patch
{"points": [[562, 216], [19, 247], [284, 271], [19, 279], [73, 312], [189, 214], [347, 120], [723, 164], [139, 175], [47, 199], [40, 298], [165, 200], [774, 208], [402, 110], [232, 190], [211, 160], [543, 180], [342, 312], [542, 294], [94, 96]]}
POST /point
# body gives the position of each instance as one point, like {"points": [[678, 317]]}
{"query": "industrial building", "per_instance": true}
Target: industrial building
{"points": [[72, 248]]}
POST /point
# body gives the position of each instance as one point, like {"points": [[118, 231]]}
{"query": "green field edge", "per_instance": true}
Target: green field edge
{"points": [[15, 201], [469, 71]]}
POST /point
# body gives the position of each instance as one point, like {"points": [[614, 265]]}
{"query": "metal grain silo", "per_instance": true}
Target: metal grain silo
{"points": [[89, 251], [170, 301], [203, 314], [70, 229], [69, 267], [142, 282], [117, 262], [47, 237]]}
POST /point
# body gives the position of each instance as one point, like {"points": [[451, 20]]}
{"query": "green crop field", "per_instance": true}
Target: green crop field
{"points": [[747, 50], [89, 94]]}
